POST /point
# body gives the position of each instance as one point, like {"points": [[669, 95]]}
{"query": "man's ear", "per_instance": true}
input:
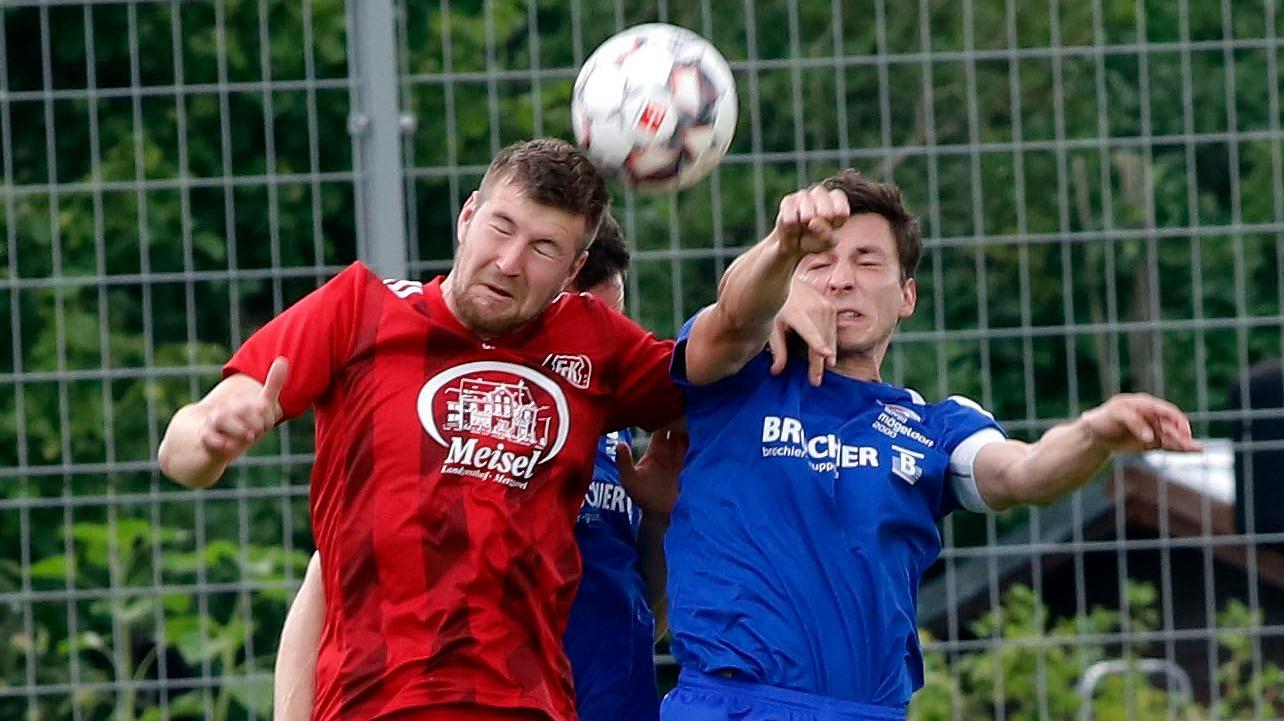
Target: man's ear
{"points": [[575, 270], [466, 215], [909, 298]]}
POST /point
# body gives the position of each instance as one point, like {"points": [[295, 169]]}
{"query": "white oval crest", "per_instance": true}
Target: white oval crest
{"points": [[424, 404]]}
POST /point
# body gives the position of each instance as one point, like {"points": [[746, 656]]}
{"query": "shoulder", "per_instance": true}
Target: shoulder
{"points": [[957, 417], [576, 307]]}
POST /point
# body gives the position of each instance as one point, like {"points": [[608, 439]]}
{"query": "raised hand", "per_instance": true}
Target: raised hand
{"points": [[235, 422], [813, 317], [807, 219], [1132, 422], [653, 482]]}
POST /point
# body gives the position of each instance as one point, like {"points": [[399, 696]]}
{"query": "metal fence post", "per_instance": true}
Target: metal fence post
{"points": [[375, 127]]}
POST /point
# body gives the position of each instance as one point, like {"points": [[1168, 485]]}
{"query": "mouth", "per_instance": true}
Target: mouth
{"points": [[847, 317], [496, 291]]}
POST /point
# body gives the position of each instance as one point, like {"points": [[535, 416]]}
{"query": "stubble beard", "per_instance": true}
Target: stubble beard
{"points": [[481, 317]]}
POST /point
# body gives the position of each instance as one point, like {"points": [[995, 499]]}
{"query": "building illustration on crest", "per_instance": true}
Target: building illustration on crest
{"points": [[504, 411]]}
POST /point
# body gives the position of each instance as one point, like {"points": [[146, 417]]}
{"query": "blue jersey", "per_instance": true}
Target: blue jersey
{"points": [[610, 636], [806, 519]]}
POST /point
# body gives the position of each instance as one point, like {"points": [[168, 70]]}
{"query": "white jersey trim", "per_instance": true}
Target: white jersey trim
{"points": [[969, 403], [961, 474]]}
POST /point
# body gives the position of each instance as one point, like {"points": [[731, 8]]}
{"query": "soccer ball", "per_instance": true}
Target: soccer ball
{"points": [[656, 106]]}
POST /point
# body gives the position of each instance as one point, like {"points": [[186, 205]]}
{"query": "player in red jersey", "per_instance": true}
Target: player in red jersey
{"points": [[456, 426]]}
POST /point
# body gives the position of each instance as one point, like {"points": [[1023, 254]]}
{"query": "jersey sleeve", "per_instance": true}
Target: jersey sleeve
{"points": [[315, 335], [645, 396], [967, 429], [706, 398]]}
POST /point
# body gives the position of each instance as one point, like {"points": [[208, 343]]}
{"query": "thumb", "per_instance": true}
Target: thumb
{"points": [[275, 380]]}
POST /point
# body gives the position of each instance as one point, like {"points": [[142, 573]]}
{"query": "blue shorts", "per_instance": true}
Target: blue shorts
{"points": [[701, 697]]}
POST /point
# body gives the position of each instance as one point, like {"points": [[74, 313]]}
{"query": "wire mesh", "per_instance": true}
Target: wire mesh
{"points": [[1100, 185]]}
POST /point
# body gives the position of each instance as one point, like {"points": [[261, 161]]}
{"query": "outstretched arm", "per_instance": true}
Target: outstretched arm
{"points": [[294, 683], [203, 438], [735, 328], [1011, 473]]}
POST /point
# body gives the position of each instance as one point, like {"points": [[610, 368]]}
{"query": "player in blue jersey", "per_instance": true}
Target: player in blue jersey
{"points": [[620, 604], [619, 607], [810, 499]]}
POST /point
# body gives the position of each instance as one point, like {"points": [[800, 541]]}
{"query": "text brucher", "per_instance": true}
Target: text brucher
{"points": [[825, 453]]}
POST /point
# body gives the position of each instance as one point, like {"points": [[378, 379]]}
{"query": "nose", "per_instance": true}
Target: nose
{"points": [[842, 277], [509, 259]]}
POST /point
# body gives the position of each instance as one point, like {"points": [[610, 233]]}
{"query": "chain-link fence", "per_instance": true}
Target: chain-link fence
{"points": [[1100, 183]]}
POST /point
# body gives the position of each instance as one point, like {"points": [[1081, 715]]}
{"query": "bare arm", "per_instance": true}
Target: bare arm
{"points": [[203, 438], [655, 569], [1011, 473], [653, 486], [294, 682], [752, 291]]}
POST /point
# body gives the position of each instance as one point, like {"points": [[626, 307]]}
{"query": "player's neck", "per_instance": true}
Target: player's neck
{"points": [[862, 365], [448, 298]]}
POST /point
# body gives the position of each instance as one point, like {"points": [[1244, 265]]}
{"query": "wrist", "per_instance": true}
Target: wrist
{"points": [[655, 520], [782, 252]]}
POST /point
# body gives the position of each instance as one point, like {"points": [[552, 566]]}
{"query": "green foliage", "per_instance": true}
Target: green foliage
{"points": [[123, 636], [1034, 663]]}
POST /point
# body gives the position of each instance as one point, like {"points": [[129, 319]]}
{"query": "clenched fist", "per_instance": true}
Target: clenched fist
{"points": [[807, 219], [234, 422]]}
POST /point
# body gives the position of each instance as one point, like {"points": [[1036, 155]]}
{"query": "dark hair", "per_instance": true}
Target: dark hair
{"points": [[868, 196], [607, 255], [555, 173]]}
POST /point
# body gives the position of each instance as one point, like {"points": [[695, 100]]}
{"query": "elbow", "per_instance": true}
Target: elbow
{"points": [[165, 459]]}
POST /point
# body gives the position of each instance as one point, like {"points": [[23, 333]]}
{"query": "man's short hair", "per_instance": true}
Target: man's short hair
{"points": [[555, 173], [868, 196], [607, 255]]}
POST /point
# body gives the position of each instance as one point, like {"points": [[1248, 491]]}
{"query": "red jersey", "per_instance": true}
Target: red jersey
{"points": [[449, 473]]}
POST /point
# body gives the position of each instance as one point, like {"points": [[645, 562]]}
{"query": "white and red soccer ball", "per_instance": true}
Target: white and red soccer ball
{"points": [[656, 106]]}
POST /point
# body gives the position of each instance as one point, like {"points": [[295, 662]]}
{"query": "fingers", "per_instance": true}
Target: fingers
{"points": [[779, 347], [788, 216], [820, 336], [806, 208], [219, 444], [813, 211], [624, 458], [236, 423], [821, 229], [841, 208], [1149, 423], [816, 363], [1171, 426], [1136, 424]]}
